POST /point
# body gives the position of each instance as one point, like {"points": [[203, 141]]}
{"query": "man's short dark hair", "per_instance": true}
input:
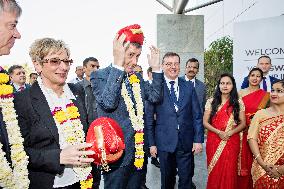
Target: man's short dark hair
{"points": [[85, 62], [12, 68], [170, 54], [264, 56], [149, 70], [192, 60], [31, 74]]}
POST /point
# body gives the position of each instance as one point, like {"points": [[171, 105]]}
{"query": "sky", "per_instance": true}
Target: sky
{"points": [[89, 26]]}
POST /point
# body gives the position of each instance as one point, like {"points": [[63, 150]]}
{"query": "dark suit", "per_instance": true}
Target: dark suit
{"points": [[15, 90], [175, 132], [200, 89], [41, 135], [107, 89], [245, 83]]}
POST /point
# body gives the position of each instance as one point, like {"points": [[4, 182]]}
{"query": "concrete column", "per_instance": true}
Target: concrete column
{"points": [[183, 34]]}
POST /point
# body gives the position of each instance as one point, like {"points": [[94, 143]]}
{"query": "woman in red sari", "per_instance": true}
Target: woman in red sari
{"points": [[266, 141], [254, 99], [224, 117]]}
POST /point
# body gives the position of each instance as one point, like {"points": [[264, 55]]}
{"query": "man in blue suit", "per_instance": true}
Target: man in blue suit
{"points": [[178, 131], [264, 63], [111, 85]]}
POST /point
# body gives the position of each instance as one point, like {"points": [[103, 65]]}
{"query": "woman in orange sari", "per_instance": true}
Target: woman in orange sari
{"points": [[266, 141], [224, 117], [254, 99]]}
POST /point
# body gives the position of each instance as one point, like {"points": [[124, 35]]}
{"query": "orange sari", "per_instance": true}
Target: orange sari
{"points": [[222, 155], [253, 102], [271, 146]]}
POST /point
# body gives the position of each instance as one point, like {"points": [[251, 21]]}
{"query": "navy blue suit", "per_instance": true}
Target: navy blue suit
{"points": [[175, 132], [107, 90], [245, 83]]}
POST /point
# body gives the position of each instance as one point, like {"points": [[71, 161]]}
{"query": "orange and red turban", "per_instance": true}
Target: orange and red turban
{"points": [[133, 34]]}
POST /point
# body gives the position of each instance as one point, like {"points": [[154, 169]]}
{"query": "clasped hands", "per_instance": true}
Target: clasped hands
{"points": [[272, 170], [120, 47], [224, 135]]}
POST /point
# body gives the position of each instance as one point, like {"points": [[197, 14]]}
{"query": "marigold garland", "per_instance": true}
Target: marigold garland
{"points": [[15, 177], [69, 124], [136, 119]]}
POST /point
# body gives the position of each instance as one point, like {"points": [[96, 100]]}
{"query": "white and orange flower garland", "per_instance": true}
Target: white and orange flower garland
{"points": [[15, 176], [69, 124], [137, 120]]}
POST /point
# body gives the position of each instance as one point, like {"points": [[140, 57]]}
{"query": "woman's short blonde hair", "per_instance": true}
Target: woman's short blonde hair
{"points": [[42, 47]]}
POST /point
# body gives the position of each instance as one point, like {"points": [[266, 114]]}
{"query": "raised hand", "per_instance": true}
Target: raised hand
{"points": [[76, 155], [119, 49], [154, 58]]}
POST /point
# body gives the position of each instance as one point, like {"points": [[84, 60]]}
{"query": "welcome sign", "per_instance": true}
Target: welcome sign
{"points": [[253, 39]]}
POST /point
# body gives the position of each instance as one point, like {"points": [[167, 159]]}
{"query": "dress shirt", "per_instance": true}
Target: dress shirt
{"points": [[192, 80]]}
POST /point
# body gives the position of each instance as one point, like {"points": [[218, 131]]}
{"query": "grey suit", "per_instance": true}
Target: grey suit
{"points": [[200, 89], [107, 89]]}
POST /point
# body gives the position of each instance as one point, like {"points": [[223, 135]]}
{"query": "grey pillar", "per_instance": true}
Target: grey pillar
{"points": [[183, 34]]}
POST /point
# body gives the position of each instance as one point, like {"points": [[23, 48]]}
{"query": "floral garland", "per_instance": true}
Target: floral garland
{"points": [[69, 124], [136, 119], [16, 176]]}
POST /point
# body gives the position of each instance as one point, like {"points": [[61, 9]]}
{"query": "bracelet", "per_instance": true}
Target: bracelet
{"points": [[256, 156], [276, 168], [218, 132]]}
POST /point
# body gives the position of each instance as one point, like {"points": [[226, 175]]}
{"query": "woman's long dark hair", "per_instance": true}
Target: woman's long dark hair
{"points": [[233, 101]]}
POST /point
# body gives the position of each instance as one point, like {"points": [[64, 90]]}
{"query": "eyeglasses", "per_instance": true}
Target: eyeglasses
{"points": [[57, 61], [171, 64]]}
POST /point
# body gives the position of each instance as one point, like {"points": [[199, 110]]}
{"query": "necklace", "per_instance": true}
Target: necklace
{"points": [[15, 177], [135, 118]]}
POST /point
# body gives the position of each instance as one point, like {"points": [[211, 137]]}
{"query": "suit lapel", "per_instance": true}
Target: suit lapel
{"points": [[181, 93], [41, 107]]}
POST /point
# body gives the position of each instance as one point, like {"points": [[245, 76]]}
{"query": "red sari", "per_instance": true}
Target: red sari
{"points": [[222, 155], [253, 102], [269, 131]]}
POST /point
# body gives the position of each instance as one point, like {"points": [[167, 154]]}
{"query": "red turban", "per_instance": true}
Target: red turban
{"points": [[107, 138], [133, 34]]}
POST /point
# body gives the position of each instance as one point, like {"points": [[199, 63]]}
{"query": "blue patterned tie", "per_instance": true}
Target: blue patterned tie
{"points": [[264, 84], [173, 94]]}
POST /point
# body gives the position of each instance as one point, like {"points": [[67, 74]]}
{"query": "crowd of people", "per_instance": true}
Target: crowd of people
{"points": [[43, 123]]}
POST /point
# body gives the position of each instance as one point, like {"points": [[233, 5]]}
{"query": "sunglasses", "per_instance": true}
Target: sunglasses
{"points": [[57, 61]]}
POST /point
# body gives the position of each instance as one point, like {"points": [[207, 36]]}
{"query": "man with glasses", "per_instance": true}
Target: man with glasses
{"points": [[121, 95], [178, 132]]}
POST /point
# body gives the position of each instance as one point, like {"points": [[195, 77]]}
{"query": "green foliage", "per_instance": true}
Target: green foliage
{"points": [[218, 59]]}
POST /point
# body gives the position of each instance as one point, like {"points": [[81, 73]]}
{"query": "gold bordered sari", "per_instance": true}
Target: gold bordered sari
{"points": [[268, 129]]}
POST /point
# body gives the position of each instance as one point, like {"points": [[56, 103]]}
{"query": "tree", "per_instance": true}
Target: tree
{"points": [[218, 59]]}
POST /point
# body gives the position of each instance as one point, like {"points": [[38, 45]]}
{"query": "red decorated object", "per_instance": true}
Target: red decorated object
{"points": [[133, 33], [107, 138]]}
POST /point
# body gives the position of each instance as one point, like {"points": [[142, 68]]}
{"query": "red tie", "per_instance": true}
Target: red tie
{"points": [[21, 88]]}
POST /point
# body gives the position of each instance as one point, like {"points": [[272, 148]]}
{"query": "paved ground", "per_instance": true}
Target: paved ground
{"points": [[200, 174]]}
